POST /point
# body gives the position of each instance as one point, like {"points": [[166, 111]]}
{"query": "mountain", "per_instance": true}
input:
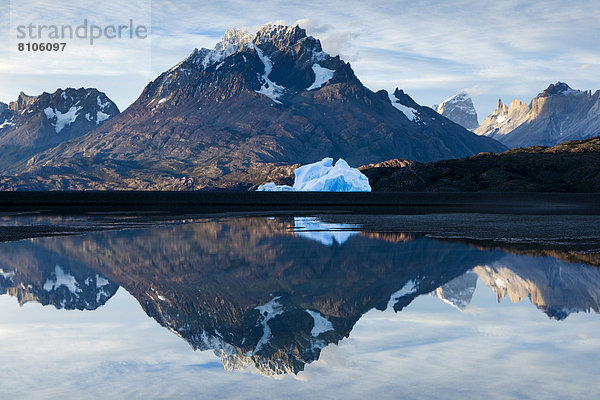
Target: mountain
{"points": [[257, 291], [460, 109], [252, 290], [569, 167], [458, 292], [555, 115], [33, 274], [35, 123], [555, 287], [225, 118]]}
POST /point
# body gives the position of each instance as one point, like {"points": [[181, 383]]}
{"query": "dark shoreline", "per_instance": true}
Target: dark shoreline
{"points": [[174, 203]]}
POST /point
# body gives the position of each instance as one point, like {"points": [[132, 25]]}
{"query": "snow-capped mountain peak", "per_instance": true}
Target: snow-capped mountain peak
{"points": [[275, 60], [459, 109], [457, 98], [558, 89]]}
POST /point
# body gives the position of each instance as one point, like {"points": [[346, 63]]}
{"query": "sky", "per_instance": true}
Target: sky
{"points": [[431, 49]]}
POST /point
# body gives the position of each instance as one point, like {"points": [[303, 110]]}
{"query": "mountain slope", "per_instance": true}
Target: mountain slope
{"points": [[569, 167], [225, 118], [557, 114], [35, 123], [460, 109]]}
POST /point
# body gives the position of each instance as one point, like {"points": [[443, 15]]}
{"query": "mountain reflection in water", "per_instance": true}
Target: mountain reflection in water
{"points": [[273, 292]]}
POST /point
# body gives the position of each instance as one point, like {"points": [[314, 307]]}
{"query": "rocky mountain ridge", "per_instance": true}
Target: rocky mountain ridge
{"points": [[555, 115], [32, 124]]}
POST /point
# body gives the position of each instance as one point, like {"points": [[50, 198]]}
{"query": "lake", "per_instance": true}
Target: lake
{"points": [[300, 306]]}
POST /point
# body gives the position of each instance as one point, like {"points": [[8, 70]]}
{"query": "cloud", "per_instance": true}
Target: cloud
{"points": [[513, 48]]}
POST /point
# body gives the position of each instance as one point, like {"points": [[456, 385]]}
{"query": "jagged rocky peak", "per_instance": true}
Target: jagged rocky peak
{"points": [[276, 61], [517, 104], [280, 36], [502, 108], [269, 38], [23, 101], [558, 89], [236, 37], [460, 109]]}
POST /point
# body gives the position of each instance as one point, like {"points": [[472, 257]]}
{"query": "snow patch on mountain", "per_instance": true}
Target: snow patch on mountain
{"points": [[7, 123], [269, 88], [410, 113], [267, 311], [61, 278], [102, 104], [322, 75], [61, 120], [408, 289], [321, 324], [101, 117]]}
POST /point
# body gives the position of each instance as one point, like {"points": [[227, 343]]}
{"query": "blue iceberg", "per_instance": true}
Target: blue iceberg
{"points": [[324, 176]]}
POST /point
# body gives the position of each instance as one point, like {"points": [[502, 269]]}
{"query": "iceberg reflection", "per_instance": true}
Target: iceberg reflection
{"points": [[325, 233]]}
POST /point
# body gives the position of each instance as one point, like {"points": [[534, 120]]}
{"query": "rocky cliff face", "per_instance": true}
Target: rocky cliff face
{"points": [[225, 118], [460, 109], [35, 123], [557, 114]]}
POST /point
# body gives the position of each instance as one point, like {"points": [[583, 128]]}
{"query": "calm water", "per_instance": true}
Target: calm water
{"points": [[292, 308]]}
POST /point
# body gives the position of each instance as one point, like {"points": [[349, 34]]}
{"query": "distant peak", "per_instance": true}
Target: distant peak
{"points": [[460, 96], [459, 109], [558, 89]]}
